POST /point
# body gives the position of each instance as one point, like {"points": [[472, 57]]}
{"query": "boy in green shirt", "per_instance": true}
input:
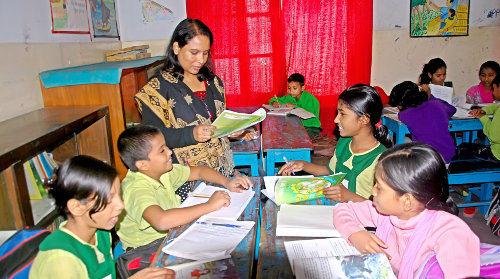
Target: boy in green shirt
{"points": [[151, 206], [298, 97]]}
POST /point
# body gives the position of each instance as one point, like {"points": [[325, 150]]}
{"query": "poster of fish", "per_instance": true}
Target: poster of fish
{"points": [[439, 18]]}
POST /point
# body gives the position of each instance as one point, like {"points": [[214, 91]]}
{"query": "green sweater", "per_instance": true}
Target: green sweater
{"points": [[491, 128], [307, 101]]}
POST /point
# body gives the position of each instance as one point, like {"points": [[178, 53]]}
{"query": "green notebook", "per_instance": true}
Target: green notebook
{"points": [[295, 189]]}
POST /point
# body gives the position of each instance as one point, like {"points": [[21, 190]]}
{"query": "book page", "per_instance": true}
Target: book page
{"points": [[295, 189], [302, 113], [306, 221], [229, 122], [239, 201], [442, 92]]}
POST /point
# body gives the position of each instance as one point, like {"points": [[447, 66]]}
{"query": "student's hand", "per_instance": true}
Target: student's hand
{"points": [[219, 199], [154, 273], [203, 133], [249, 135], [236, 134], [293, 166], [368, 243], [276, 104], [290, 105], [478, 113], [239, 184], [337, 193]]}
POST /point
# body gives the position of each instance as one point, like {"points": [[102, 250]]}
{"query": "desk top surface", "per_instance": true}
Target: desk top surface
{"points": [[284, 132], [242, 256]]}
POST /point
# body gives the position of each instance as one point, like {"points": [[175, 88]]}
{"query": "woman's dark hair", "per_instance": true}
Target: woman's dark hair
{"points": [[296, 77], [490, 65], [183, 33], [82, 177], [134, 144], [407, 95], [365, 101], [417, 169], [430, 68]]}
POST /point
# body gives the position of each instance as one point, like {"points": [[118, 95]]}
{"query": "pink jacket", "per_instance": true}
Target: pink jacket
{"points": [[455, 245], [478, 94]]}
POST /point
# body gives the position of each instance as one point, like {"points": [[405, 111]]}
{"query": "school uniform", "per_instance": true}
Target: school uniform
{"points": [[491, 128], [64, 255], [140, 191], [449, 238], [359, 167]]}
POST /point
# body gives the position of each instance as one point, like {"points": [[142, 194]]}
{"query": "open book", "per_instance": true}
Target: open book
{"points": [[300, 112], [229, 121], [295, 189], [306, 221], [442, 92], [204, 269]]}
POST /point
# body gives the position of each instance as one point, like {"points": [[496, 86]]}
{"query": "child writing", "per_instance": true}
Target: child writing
{"points": [[483, 92], [87, 191], [363, 139], [151, 205], [427, 119], [411, 212], [434, 72], [491, 127], [298, 97]]}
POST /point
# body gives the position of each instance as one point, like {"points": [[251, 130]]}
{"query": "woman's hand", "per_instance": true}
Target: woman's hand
{"points": [[368, 243], [245, 135], [154, 273], [203, 133], [290, 167], [239, 184], [477, 113]]}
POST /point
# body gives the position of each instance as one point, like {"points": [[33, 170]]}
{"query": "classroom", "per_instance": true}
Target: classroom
{"points": [[250, 139]]}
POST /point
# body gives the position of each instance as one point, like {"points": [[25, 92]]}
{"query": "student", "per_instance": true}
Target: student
{"points": [[151, 205], [87, 191], [427, 119], [413, 216], [434, 72], [363, 139], [491, 127], [298, 97], [483, 92]]}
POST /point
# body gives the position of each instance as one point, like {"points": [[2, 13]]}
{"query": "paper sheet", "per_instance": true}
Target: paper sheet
{"points": [[306, 221], [239, 201], [442, 92]]}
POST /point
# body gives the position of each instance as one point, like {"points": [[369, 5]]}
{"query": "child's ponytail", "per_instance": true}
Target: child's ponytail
{"points": [[381, 133]]}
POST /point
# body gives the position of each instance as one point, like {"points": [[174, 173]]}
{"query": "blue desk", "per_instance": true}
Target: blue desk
{"points": [[400, 130]]}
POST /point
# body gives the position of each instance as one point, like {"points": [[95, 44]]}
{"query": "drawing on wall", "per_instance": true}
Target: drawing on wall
{"points": [[430, 18], [153, 11], [69, 16], [103, 15]]}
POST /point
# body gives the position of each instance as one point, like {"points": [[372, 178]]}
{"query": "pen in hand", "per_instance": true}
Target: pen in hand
{"points": [[287, 163]]}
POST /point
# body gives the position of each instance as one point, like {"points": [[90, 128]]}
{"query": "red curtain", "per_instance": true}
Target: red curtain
{"points": [[258, 43]]}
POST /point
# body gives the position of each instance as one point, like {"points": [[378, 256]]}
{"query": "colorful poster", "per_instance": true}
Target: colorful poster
{"points": [[69, 16], [103, 14], [296, 189], [430, 18]]}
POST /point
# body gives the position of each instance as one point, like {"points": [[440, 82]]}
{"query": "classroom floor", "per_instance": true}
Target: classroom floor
{"points": [[323, 150]]}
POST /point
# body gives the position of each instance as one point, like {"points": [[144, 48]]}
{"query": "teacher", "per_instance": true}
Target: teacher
{"points": [[184, 98]]}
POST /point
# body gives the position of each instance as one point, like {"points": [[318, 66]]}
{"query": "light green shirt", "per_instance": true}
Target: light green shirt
{"points": [[140, 191], [491, 128]]}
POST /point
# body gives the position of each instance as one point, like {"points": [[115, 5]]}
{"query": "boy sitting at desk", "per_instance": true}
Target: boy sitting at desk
{"points": [[298, 97], [148, 190]]}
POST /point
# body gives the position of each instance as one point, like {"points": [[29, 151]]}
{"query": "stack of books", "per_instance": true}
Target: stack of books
{"points": [[37, 171], [129, 53]]}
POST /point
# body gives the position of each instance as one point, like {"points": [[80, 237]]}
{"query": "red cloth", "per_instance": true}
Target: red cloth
{"points": [[257, 45]]}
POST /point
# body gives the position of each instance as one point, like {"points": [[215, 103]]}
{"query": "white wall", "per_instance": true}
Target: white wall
{"points": [[397, 57]]}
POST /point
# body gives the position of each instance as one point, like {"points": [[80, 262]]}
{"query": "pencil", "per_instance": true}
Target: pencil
{"points": [[200, 195]]}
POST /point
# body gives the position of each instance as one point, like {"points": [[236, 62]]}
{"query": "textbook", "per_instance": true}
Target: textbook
{"points": [[296, 189], [283, 111], [229, 121], [212, 268], [306, 221]]}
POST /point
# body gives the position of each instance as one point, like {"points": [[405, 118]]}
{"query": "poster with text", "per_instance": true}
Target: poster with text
{"points": [[69, 16], [431, 18]]}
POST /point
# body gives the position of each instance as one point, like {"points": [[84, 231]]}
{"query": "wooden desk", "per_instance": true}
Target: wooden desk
{"points": [[273, 261], [399, 130], [284, 136], [242, 256]]}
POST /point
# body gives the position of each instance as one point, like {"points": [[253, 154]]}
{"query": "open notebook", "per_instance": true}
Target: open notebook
{"points": [[283, 111], [306, 221]]}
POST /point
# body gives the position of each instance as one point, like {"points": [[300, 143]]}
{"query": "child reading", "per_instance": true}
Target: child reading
{"points": [[483, 92], [87, 191], [298, 97], [427, 119], [363, 139], [411, 211], [151, 205], [434, 72]]}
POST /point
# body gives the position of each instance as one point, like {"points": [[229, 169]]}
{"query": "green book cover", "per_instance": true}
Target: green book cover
{"points": [[295, 189], [38, 178], [229, 122]]}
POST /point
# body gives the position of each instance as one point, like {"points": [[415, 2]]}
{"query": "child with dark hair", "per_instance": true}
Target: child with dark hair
{"points": [[300, 98], [413, 214], [151, 205], [363, 139], [87, 192], [427, 119], [433, 72], [483, 92]]}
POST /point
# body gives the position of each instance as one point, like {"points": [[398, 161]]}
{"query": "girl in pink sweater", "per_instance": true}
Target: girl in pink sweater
{"points": [[413, 216]]}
